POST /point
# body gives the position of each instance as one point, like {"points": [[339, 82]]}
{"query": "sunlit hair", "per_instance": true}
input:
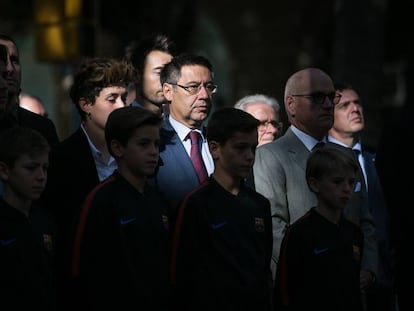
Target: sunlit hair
{"points": [[94, 74], [171, 72], [246, 101]]}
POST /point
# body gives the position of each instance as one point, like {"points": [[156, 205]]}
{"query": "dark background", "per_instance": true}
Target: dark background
{"points": [[254, 45]]}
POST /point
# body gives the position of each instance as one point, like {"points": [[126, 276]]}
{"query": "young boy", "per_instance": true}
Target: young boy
{"points": [[26, 231], [320, 256], [121, 252], [223, 237]]}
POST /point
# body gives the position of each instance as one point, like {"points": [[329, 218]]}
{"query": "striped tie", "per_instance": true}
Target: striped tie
{"points": [[196, 157]]}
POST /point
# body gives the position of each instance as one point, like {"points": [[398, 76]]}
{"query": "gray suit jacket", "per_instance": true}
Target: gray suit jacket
{"points": [[279, 174]]}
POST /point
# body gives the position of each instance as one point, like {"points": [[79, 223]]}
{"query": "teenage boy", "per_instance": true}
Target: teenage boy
{"points": [[26, 231], [320, 256], [222, 242], [121, 251]]}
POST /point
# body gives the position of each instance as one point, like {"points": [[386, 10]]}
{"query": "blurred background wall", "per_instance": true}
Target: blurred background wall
{"points": [[254, 46]]}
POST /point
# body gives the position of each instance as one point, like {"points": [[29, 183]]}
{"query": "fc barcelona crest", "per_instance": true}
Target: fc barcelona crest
{"points": [[259, 224]]}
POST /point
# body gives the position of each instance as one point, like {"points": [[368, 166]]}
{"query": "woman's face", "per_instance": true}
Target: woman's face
{"points": [[109, 99]]}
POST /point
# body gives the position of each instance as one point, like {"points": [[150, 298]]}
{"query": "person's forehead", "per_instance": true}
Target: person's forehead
{"points": [[348, 93], [195, 72], [11, 47], [158, 58], [260, 108]]}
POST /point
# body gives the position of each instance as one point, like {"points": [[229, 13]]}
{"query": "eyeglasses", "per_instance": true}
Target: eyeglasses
{"points": [[319, 97], [276, 124], [196, 88]]}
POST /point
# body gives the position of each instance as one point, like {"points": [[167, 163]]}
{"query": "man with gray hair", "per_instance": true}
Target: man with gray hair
{"points": [[266, 110]]}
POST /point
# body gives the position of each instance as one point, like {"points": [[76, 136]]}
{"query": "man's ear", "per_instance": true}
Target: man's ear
{"points": [[167, 90], [4, 171], [214, 147], [290, 106]]}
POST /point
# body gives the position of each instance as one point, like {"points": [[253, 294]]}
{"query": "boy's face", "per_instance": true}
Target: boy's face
{"points": [[140, 155], [335, 189], [236, 157], [26, 180]]}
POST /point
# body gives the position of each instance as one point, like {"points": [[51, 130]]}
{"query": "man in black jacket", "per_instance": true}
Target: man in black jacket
{"points": [[10, 113]]}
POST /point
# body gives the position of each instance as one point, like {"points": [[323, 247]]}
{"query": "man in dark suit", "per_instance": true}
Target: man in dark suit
{"points": [[346, 131], [11, 114], [188, 86], [279, 168]]}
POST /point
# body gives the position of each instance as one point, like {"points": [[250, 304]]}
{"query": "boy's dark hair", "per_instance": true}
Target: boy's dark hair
{"points": [[94, 74], [137, 52], [225, 122], [326, 160], [123, 122], [18, 141], [171, 72]]}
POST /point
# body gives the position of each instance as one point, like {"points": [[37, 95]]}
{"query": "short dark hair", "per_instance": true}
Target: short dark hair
{"points": [[137, 52], [94, 74], [325, 160], [17, 141], [7, 38], [342, 85], [123, 122], [225, 122], [171, 72]]}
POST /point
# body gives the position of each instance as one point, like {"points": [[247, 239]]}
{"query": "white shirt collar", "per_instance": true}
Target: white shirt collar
{"points": [[306, 139]]}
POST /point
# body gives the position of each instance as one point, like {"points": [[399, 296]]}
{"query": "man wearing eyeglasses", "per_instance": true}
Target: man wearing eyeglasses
{"points": [[266, 110], [188, 87], [279, 169]]}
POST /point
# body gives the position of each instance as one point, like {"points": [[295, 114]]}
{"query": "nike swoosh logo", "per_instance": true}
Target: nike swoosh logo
{"points": [[219, 225], [318, 251], [127, 221], [7, 242]]}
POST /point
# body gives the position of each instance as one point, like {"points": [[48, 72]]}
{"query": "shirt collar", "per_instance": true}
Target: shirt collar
{"points": [[182, 130], [306, 139]]}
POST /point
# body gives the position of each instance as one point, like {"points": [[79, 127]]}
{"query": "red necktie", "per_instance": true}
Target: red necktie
{"points": [[196, 157]]}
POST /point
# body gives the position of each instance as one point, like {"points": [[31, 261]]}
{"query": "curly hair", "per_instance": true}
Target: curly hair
{"points": [[94, 74]]}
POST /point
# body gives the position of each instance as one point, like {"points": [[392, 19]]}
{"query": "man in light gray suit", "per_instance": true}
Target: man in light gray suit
{"points": [[279, 169]]}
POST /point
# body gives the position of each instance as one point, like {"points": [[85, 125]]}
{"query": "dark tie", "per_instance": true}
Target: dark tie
{"points": [[356, 153], [196, 157]]}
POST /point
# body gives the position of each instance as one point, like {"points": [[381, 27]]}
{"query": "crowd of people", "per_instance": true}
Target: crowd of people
{"points": [[157, 201]]}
